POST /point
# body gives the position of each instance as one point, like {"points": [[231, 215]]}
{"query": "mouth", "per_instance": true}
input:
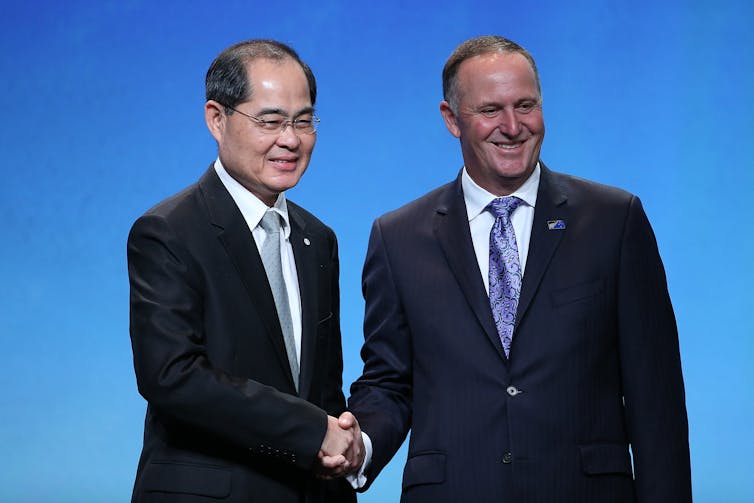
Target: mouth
{"points": [[509, 146], [285, 163]]}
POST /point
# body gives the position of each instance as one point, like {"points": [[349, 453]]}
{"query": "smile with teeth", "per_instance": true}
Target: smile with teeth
{"points": [[508, 146], [285, 162]]}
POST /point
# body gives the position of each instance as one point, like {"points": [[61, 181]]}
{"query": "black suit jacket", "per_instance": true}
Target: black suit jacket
{"points": [[224, 422], [594, 365]]}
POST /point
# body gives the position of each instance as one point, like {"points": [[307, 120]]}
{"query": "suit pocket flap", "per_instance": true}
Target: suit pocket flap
{"points": [[424, 468], [575, 293], [186, 478], [605, 458]]}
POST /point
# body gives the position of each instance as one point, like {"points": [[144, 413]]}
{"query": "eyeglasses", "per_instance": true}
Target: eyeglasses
{"points": [[277, 126]]}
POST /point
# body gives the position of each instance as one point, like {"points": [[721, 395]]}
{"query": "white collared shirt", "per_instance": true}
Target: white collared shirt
{"points": [[481, 221], [253, 209]]}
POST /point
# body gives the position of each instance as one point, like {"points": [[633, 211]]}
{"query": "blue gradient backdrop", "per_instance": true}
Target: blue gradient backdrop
{"points": [[102, 117]]}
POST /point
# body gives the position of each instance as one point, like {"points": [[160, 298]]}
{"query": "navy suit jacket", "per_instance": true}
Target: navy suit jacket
{"points": [[224, 421], [594, 366]]}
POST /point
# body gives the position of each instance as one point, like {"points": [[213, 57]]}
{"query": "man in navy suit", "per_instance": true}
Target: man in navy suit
{"points": [[518, 320], [235, 320]]}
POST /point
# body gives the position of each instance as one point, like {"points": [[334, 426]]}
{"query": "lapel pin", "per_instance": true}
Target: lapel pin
{"points": [[556, 225], [307, 242]]}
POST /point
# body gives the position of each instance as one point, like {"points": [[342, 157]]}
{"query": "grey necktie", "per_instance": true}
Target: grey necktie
{"points": [[272, 265]]}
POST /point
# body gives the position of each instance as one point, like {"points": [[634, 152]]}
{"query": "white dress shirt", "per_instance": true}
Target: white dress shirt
{"points": [[253, 209], [481, 221]]}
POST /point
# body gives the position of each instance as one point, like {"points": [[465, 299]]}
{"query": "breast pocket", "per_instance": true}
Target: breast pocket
{"points": [[576, 293]]}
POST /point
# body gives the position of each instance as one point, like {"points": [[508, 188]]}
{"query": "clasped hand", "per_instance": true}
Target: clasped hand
{"points": [[342, 451]]}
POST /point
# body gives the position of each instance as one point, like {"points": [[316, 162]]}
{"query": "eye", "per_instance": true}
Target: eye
{"points": [[490, 112], [302, 124], [271, 124], [526, 107]]}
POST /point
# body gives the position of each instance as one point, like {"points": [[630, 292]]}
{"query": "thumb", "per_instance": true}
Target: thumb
{"points": [[346, 420]]}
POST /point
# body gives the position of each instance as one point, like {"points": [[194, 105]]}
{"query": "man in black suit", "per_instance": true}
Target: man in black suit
{"points": [[518, 320], [235, 307]]}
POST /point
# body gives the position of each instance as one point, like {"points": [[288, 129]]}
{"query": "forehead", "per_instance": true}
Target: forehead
{"points": [[276, 77], [496, 75]]}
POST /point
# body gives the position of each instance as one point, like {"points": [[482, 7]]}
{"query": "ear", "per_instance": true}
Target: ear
{"points": [[214, 116], [450, 119]]}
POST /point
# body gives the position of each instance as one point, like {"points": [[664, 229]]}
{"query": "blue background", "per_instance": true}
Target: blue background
{"points": [[102, 117]]}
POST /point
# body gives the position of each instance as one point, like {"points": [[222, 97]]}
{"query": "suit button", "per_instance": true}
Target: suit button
{"points": [[513, 391], [507, 458]]}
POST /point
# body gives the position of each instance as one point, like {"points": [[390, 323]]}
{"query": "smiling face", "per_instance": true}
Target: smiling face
{"points": [[498, 120], [265, 164]]}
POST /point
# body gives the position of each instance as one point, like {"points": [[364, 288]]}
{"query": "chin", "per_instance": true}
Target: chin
{"points": [[517, 170], [286, 183], [513, 174]]}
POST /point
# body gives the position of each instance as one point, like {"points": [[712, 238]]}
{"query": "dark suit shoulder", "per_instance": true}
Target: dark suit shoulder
{"points": [[179, 220], [580, 190], [175, 206]]}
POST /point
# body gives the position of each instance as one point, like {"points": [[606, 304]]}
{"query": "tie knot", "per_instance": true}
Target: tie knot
{"points": [[504, 206], [270, 222]]}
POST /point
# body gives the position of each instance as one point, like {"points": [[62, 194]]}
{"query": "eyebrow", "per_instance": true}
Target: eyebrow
{"points": [[280, 111]]}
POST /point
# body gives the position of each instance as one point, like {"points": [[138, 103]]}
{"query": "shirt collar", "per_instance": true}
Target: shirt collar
{"points": [[477, 198], [251, 207]]}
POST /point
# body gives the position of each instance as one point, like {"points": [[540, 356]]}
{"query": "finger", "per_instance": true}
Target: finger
{"points": [[337, 440], [333, 462], [356, 429], [347, 420], [354, 455]]}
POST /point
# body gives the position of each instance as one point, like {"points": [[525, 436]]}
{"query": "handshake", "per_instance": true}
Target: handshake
{"points": [[342, 452]]}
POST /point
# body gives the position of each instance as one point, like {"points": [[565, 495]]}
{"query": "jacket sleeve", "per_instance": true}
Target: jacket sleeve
{"points": [[381, 397], [651, 368]]}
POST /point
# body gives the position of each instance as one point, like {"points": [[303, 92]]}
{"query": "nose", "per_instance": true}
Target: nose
{"points": [[288, 137], [509, 124]]}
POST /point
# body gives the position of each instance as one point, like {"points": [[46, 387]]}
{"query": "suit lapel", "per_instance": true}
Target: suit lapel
{"points": [[236, 238], [451, 228], [551, 206], [304, 252]]}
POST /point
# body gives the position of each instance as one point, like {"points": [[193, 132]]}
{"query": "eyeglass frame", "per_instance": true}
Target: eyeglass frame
{"points": [[259, 122]]}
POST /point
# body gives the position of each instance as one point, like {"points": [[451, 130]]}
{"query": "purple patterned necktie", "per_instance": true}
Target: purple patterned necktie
{"points": [[505, 269]]}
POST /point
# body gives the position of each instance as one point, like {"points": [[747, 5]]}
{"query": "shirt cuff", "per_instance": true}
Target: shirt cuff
{"points": [[359, 480]]}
